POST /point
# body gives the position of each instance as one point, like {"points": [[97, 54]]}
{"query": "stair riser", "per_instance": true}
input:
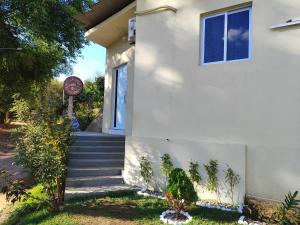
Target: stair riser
{"points": [[83, 164], [95, 183], [97, 149], [96, 156], [99, 143], [87, 173], [98, 139]]}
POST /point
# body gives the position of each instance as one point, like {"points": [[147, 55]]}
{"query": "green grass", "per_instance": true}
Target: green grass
{"points": [[110, 209]]}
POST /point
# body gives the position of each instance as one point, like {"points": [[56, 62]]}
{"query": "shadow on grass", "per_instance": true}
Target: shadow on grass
{"points": [[121, 206], [133, 207]]}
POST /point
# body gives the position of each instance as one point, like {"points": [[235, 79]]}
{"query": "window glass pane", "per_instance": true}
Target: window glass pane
{"points": [[214, 39], [238, 35]]}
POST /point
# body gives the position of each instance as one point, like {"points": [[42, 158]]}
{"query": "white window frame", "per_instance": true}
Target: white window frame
{"points": [[225, 36]]}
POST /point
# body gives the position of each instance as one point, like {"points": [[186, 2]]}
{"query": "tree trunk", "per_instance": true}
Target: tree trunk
{"points": [[177, 214], [1, 117], [6, 117]]}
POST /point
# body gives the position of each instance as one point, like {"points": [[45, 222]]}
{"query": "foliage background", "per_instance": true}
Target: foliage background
{"points": [[50, 38]]}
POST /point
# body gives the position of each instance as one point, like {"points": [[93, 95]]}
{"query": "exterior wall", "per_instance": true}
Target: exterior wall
{"points": [[118, 54], [182, 152], [254, 103]]}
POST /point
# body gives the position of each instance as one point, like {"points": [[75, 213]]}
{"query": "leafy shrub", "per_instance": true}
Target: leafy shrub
{"points": [[21, 108], [212, 171], [146, 171], [166, 167], [289, 211], [180, 191], [90, 99], [84, 115], [194, 172], [44, 151], [43, 103], [232, 179]]}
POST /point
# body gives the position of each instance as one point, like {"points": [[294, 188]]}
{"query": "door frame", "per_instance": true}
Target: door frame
{"points": [[115, 130]]}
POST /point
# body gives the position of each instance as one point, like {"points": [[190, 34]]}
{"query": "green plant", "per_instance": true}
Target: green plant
{"points": [[289, 212], [146, 170], [21, 108], [180, 191], [166, 167], [232, 179], [14, 190], [194, 172], [43, 149], [212, 172]]}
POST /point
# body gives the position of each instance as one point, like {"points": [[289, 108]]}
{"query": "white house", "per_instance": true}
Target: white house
{"points": [[205, 79]]}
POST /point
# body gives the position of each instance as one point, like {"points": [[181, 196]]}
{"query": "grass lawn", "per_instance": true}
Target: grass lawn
{"points": [[113, 209]]}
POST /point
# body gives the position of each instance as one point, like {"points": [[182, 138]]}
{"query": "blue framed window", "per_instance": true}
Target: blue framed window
{"points": [[226, 37]]}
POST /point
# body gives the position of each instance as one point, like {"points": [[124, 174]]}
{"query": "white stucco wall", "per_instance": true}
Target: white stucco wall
{"points": [[255, 103], [118, 54], [182, 151]]}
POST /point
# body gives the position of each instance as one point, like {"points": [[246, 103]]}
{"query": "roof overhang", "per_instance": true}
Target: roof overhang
{"points": [[101, 11], [112, 29]]}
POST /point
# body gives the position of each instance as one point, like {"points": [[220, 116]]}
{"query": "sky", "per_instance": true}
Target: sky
{"points": [[91, 61]]}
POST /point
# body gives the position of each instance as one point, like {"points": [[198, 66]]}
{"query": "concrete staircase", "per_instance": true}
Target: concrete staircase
{"points": [[95, 164]]}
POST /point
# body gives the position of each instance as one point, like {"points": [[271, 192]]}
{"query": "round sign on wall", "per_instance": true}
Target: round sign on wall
{"points": [[73, 86]]}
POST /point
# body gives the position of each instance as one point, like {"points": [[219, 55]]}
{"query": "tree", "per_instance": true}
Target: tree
{"points": [[49, 36], [194, 172], [46, 100], [88, 105], [93, 92], [166, 167], [232, 179], [180, 191]]}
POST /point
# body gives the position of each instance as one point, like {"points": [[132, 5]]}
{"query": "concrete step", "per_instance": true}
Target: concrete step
{"points": [[97, 148], [94, 181], [86, 172], [98, 143], [98, 138], [96, 155], [97, 191], [88, 163]]}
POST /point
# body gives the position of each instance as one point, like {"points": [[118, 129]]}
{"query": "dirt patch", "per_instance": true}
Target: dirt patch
{"points": [[101, 220], [261, 210], [7, 161], [5, 208], [104, 212], [7, 155]]}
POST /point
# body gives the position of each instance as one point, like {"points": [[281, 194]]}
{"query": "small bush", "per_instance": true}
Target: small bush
{"points": [[84, 115], [43, 150], [212, 171], [194, 172], [232, 179], [180, 191], [146, 171], [166, 167]]}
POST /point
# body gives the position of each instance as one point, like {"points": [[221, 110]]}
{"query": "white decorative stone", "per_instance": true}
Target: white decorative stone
{"points": [[166, 221], [220, 207], [155, 195], [241, 220]]}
